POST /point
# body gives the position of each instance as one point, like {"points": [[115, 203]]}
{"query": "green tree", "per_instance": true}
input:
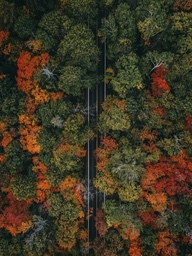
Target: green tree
{"points": [[115, 116], [127, 75], [75, 130], [25, 26], [79, 49], [152, 19], [119, 31], [74, 79], [24, 186]]}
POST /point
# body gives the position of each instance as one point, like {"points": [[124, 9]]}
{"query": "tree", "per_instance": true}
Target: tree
{"points": [[85, 10], [25, 26], [119, 31], [24, 187], [15, 216], [79, 49], [152, 20], [52, 23], [127, 76], [74, 79], [115, 116], [75, 131]]}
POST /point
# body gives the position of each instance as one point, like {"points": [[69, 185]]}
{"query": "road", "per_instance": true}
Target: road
{"points": [[95, 97]]}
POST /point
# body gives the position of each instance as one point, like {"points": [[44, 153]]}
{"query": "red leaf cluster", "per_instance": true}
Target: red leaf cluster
{"points": [[3, 36], [13, 214], [101, 225], [167, 178], [159, 83]]}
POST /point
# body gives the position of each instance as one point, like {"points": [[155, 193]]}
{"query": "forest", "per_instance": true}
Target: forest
{"points": [[138, 133]]}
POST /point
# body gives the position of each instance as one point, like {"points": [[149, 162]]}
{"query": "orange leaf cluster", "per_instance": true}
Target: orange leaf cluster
{"points": [[2, 159], [56, 95], [3, 37], [43, 188], [67, 148], [134, 248], [27, 66], [159, 111], [133, 235], [102, 153], [40, 95], [2, 126], [167, 178], [38, 165], [29, 132], [158, 201], [83, 235], [102, 159], [182, 5], [188, 122], [7, 138], [159, 83], [68, 183], [165, 245], [111, 102], [71, 189], [109, 143], [148, 140], [34, 45]]}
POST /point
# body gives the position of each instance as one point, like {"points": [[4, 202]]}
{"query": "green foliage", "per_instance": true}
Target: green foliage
{"points": [[113, 117], [75, 130], [129, 192], [181, 21], [24, 187], [4, 246], [52, 23], [127, 76], [66, 163], [11, 100], [17, 159], [148, 241], [81, 9], [54, 175], [48, 43], [127, 164], [153, 59], [152, 20], [73, 80], [122, 214], [24, 26], [119, 31], [6, 13], [56, 203], [78, 48], [184, 44], [40, 238], [47, 112]]}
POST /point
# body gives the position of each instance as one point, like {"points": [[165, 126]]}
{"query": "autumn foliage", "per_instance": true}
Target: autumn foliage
{"points": [[29, 131], [14, 215], [167, 178], [3, 37], [166, 245], [159, 83]]}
